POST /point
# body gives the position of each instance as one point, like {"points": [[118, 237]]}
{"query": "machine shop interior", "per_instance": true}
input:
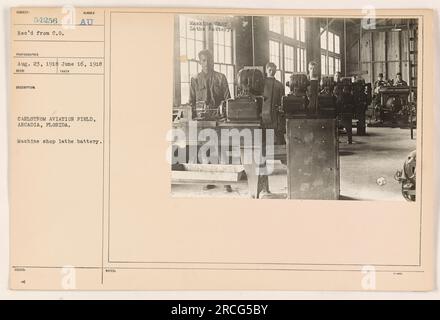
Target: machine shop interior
{"points": [[339, 94]]}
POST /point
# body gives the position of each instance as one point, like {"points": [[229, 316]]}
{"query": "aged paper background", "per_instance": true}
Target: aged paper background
{"points": [[300, 233]]}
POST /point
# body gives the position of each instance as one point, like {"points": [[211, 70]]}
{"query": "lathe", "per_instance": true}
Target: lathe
{"points": [[394, 106], [249, 105], [311, 152], [247, 112]]}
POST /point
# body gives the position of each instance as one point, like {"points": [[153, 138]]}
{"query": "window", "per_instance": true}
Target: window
{"points": [[223, 54], [323, 39], [302, 28], [192, 40], [274, 52], [301, 60], [287, 45], [289, 64], [288, 58], [274, 56], [331, 43], [330, 52], [337, 65], [275, 24], [323, 64], [337, 44], [331, 65], [289, 29]]}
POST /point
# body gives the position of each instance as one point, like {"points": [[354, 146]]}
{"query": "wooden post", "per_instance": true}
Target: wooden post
{"points": [[345, 47]]}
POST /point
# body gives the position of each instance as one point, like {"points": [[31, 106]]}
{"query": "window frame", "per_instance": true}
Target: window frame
{"points": [[229, 68], [297, 42], [330, 54]]}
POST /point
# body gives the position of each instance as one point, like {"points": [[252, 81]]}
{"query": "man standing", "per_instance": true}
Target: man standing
{"points": [[399, 82], [337, 77], [313, 89], [273, 92], [379, 83], [337, 87], [208, 86]]}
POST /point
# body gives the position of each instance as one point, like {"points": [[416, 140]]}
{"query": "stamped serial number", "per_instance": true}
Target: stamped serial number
{"points": [[45, 20]]}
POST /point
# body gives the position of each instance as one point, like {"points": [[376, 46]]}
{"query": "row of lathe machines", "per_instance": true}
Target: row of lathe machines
{"points": [[347, 99], [310, 118]]}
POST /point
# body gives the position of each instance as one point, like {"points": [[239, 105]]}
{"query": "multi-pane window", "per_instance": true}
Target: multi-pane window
{"points": [[223, 54], [275, 24], [301, 60], [192, 40], [337, 65], [331, 42], [289, 63], [323, 64], [330, 52], [287, 47], [337, 45], [331, 65], [288, 58], [289, 27], [274, 56], [302, 29], [274, 52], [323, 40]]}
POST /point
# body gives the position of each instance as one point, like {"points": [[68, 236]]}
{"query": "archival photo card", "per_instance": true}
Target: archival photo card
{"points": [[295, 107], [142, 139]]}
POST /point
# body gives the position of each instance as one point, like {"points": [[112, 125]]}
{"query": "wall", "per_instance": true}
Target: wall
{"points": [[380, 52], [248, 52]]}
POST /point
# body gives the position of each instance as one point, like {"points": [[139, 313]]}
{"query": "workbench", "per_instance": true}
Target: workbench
{"points": [[229, 173]]}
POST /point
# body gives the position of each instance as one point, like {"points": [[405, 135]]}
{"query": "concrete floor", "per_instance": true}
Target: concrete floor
{"points": [[375, 156]]}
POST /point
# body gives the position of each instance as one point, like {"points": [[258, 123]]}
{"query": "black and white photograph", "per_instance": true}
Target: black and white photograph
{"points": [[254, 149], [293, 107]]}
